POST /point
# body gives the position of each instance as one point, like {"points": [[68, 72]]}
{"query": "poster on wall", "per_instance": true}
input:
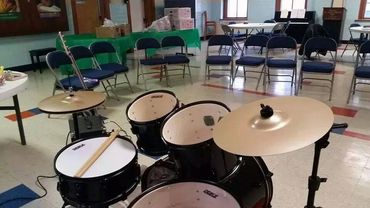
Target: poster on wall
{"points": [[9, 10], [49, 8]]}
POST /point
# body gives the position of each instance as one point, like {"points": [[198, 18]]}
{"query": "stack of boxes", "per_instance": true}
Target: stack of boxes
{"points": [[180, 17]]}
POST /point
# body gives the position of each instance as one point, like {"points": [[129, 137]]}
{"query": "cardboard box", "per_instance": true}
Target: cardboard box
{"points": [[107, 32], [183, 24], [178, 12], [113, 32]]}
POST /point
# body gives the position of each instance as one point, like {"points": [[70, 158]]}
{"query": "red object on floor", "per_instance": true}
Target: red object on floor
{"points": [[234, 89], [357, 135], [24, 115], [344, 111], [339, 72]]}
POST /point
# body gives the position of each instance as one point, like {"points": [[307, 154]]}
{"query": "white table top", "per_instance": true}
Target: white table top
{"points": [[360, 29], [11, 88], [253, 26]]}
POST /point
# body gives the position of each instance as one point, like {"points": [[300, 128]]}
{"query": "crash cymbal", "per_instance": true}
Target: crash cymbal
{"points": [[293, 123], [70, 103]]}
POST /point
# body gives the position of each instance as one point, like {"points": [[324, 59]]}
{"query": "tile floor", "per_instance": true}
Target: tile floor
{"points": [[345, 162]]}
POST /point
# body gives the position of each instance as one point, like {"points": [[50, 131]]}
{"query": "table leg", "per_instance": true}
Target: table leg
{"points": [[33, 63], [19, 119], [75, 125]]}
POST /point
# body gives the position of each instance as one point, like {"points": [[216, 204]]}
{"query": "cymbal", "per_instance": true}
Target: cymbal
{"points": [[296, 122], [71, 103]]}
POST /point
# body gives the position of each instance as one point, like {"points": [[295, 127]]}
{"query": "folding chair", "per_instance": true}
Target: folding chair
{"points": [[355, 41]]}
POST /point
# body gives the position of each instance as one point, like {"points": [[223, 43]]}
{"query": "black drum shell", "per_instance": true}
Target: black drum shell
{"points": [[149, 133], [99, 191]]}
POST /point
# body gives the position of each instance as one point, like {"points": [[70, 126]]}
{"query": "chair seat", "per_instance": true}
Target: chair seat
{"points": [[115, 67], [97, 74], [281, 63], [75, 83], [320, 67], [363, 71], [250, 61], [176, 59], [218, 60], [152, 62]]}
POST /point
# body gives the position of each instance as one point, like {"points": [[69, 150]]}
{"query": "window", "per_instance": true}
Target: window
{"points": [[290, 4], [235, 9], [364, 12]]}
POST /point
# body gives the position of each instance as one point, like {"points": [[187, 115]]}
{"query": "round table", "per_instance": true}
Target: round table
{"points": [[72, 102], [11, 89]]}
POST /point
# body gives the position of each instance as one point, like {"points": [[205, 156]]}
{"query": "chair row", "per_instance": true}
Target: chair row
{"points": [[90, 77], [161, 60], [285, 61]]}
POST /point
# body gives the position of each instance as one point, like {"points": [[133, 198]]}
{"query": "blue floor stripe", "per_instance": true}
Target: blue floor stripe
{"points": [[9, 198], [35, 111]]}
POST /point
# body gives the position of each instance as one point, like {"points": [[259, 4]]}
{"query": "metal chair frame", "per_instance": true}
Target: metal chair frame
{"points": [[351, 39]]}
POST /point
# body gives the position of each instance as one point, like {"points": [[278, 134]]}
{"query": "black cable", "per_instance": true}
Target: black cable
{"points": [[38, 183], [126, 135]]}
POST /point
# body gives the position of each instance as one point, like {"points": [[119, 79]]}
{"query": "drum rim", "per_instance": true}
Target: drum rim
{"points": [[184, 107], [145, 94], [131, 163], [153, 188]]}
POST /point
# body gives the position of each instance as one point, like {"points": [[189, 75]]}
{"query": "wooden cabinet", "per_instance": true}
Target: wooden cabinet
{"points": [[333, 21]]}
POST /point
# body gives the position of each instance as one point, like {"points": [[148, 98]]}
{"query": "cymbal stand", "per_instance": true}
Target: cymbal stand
{"points": [[314, 180]]}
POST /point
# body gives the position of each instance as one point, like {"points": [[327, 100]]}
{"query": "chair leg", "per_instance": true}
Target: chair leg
{"points": [[345, 48], [138, 73], [259, 78], [191, 79], [166, 74], [115, 81], [236, 72], [112, 90], [350, 88], [143, 76], [205, 74], [128, 82], [232, 73], [331, 86], [245, 74], [183, 72]]}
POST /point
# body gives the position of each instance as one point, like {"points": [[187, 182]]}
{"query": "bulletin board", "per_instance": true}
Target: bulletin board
{"points": [[26, 17]]}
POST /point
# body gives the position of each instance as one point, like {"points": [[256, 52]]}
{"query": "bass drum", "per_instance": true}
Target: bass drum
{"points": [[113, 176], [250, 183], [185, 195], [146, 114], [188, 134]]}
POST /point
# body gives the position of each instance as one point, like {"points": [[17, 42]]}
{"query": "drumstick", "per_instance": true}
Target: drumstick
{"points": [[97, 154]]}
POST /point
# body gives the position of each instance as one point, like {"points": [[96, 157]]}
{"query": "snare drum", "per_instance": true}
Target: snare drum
{"points": [[188, 134], [185, 195], [113, 176], [146, 114]]}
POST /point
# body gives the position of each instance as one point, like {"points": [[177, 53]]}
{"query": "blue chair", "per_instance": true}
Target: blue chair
{"points": [[106, 48], [361, 73], [219, 60], [352, 40], [228, 31], [252, 61], [93, 72], [148, 45], [318, 66], [173, 42], [55, 60], [284, 62]]}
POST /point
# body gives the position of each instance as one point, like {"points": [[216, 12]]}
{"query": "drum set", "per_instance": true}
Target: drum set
{"points": [[211, 155]]}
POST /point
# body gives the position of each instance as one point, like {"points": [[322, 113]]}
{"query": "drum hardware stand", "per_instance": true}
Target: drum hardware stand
{"points": [[314, 180]]}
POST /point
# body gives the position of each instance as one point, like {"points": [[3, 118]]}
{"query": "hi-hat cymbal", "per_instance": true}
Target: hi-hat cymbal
{"points": [[71, 103], [296, 122]]}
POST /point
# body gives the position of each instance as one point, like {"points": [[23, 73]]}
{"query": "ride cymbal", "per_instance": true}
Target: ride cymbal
{"points": [[71, 102], [273, 126]]}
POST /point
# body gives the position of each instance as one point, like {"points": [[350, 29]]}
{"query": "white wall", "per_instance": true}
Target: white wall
{"points": [[137, 15], [260, 10]]}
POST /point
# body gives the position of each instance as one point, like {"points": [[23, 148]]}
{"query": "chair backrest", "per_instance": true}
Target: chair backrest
{"points": [[220, 40], [365, 47], [350, 26], [278, 28], [256, 40], [281, 42], [231, 23], [286, 26], [320, 44], [56, 59], [269, 21], [226, 29], [361, 57], [147, 43], [172, 41], [102, 47], [80, 52]]}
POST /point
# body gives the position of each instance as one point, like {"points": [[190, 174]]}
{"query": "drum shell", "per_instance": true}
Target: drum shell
{"points": [[99, 191], [202, 161], [250, 183], [149, 133]]}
